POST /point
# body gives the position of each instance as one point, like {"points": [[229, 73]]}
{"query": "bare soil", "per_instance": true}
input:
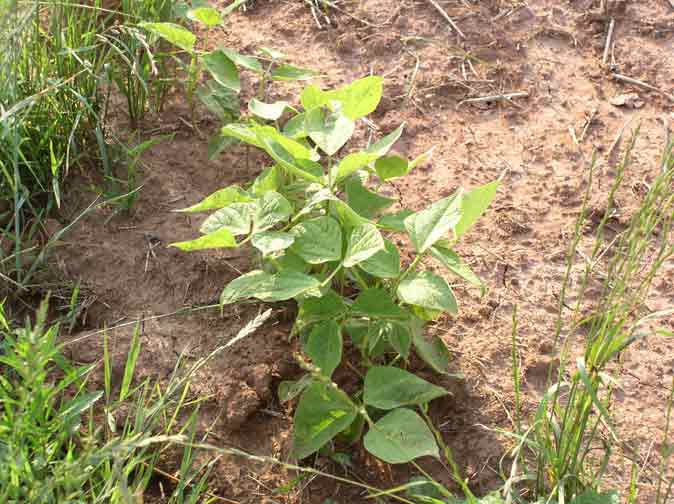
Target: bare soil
{"points": [[553, 50]]}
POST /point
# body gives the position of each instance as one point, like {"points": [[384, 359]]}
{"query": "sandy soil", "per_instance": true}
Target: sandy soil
{"points": [[552, 50]]}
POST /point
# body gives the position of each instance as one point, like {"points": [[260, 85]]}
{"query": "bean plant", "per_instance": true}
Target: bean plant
{"points": [[324, 235]]}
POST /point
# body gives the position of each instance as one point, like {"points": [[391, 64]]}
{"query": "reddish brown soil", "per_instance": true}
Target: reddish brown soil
{"points": [[552, 50]]}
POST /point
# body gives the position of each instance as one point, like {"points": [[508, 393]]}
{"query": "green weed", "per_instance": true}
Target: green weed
{"points": [[60, 441]]}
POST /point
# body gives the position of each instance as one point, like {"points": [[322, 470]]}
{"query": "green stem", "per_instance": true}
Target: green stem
{"points": [[329, 279], [359, 278], [447, 452], [409, 269]]}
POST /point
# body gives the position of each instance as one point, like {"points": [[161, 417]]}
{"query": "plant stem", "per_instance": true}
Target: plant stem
{"points": [[359, 278]]}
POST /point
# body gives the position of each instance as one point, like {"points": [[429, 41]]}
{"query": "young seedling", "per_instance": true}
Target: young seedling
{"points": [[324, 239]]}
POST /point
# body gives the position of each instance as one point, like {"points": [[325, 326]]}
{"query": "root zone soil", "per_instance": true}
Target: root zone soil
{"points": [[541, 146]]}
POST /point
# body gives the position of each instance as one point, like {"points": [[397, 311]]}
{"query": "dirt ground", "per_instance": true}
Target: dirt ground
{"points": [[552, 50]]}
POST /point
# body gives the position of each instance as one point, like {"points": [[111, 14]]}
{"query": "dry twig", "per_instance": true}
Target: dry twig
{"points": [[609, 38], [447, 18], [501, 97], [642, 84]]}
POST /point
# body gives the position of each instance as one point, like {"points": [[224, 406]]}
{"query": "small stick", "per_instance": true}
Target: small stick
{"points": [[588, 121], [313, 13], [501, 97], [642, 84], [447, 18], [609, 38], [572, 131]]}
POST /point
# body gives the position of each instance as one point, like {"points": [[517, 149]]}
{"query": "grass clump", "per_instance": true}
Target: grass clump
{"points": [[61, 441]]}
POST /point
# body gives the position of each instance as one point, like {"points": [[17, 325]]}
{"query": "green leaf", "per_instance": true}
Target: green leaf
{"points": [[272, 53], [382, 147], [219, 199], [292, 262], [322, 413], [287, 152], [391, 167], [267, 287], [330, 305], [287, 72], [359, 98], [473, 205], [270, 210], [375, 303], [216, 144], [427, 290], [242, 132], [346, 215], [351, 164], [270, 242], [173, 33], [395, 221], [421, 159], [312, 97], [247, 62], [385, 263], [399, 437], [592, 497], [207, 15], [324, 346], [294, 127], [269, 111], [222, 238], [237, 218], [330, 131], [318, 240], [364, 242], [270, 179], [453, 263], [222, 69], [388, 387], [290, 389], [428, 226], [221, 101], [363, 201], [433, 352], [399, 337]]}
